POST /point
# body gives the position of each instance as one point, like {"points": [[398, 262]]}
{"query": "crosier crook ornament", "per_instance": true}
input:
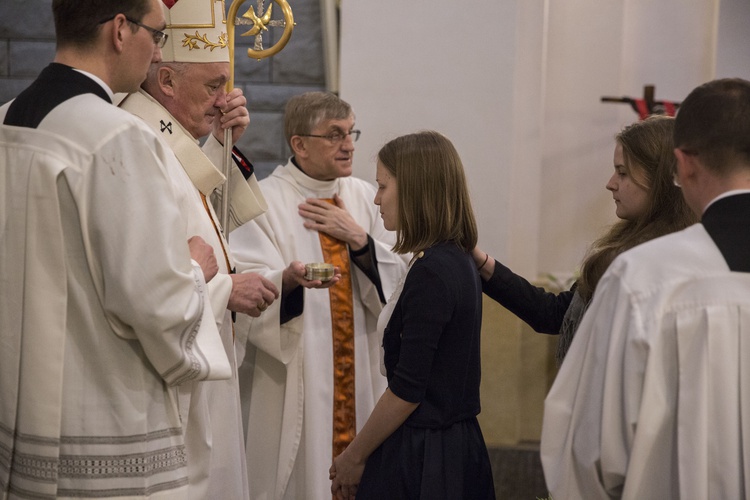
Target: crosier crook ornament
{"points": [[259, 23]]}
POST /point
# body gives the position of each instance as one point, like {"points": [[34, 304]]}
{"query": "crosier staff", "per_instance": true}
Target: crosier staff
{"points": [[259, 25]]}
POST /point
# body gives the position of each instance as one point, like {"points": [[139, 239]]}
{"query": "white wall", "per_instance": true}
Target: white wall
{"points": [[607, 49], [584, 46], [425, 64], [733, 40], [516, 84]]}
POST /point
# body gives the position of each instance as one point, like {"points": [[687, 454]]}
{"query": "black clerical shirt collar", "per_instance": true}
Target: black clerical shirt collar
{"points": [[56, 84]]}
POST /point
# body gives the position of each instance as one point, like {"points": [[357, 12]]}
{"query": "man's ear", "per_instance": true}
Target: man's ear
{"points": [[298, 146], [686, 164], [119, 25], [165, 77]]}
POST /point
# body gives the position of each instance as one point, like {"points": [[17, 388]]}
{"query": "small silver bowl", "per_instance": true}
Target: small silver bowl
{"points": [[319, 271]]}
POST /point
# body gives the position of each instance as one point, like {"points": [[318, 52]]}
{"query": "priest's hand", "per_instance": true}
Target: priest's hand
{"points": [[334, 220], [251, 294], [233, 114], [294, 276], [203, 253]]}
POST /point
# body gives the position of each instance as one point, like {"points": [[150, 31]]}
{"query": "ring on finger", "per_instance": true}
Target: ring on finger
{"points": [[262, 306]]}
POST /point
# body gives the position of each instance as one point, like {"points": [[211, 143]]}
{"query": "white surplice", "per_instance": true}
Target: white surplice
{"points": [[646, 403], [211, 410], [289, 410], [101, 310]]}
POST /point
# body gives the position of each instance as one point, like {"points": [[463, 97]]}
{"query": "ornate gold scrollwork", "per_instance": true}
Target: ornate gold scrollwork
{"points": [[192, 41]]}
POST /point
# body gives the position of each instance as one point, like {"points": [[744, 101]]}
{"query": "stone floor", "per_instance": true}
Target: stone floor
{"points": [[518, 472]]}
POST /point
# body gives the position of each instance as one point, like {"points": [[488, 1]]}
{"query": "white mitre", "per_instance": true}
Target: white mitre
{"points": [[197, 31]]}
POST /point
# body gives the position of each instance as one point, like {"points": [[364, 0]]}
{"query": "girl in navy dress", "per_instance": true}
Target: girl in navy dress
{"points": [[422, 440]]}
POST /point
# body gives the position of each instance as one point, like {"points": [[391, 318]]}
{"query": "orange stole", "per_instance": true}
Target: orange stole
{"points": [[342, 325]]}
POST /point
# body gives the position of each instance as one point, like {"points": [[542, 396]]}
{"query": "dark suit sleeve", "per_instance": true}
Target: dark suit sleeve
{"points": [[371, 271], [292, 305], [541, 310]]}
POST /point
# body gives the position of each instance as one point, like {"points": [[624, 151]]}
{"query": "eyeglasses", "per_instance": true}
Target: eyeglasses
{"points": [[335, 137], [160, 38]]}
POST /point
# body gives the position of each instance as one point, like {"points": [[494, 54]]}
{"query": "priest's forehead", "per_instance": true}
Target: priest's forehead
{"points": [[334, 125], [304, 112]]}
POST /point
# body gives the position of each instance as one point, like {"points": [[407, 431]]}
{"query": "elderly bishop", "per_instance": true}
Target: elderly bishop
{"points": [[184, 99]]}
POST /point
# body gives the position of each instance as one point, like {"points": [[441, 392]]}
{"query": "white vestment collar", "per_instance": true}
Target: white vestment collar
{"points": [[321, 189], [202, 172]]}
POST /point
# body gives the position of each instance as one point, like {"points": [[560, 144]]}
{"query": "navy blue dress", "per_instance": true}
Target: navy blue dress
{"points": [[432, 357]]}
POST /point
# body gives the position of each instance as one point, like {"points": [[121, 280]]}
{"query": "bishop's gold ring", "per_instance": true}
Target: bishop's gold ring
{"points": [[262, 307]]}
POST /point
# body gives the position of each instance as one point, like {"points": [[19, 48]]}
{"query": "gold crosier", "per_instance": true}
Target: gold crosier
{"points": [[259, 23]]}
